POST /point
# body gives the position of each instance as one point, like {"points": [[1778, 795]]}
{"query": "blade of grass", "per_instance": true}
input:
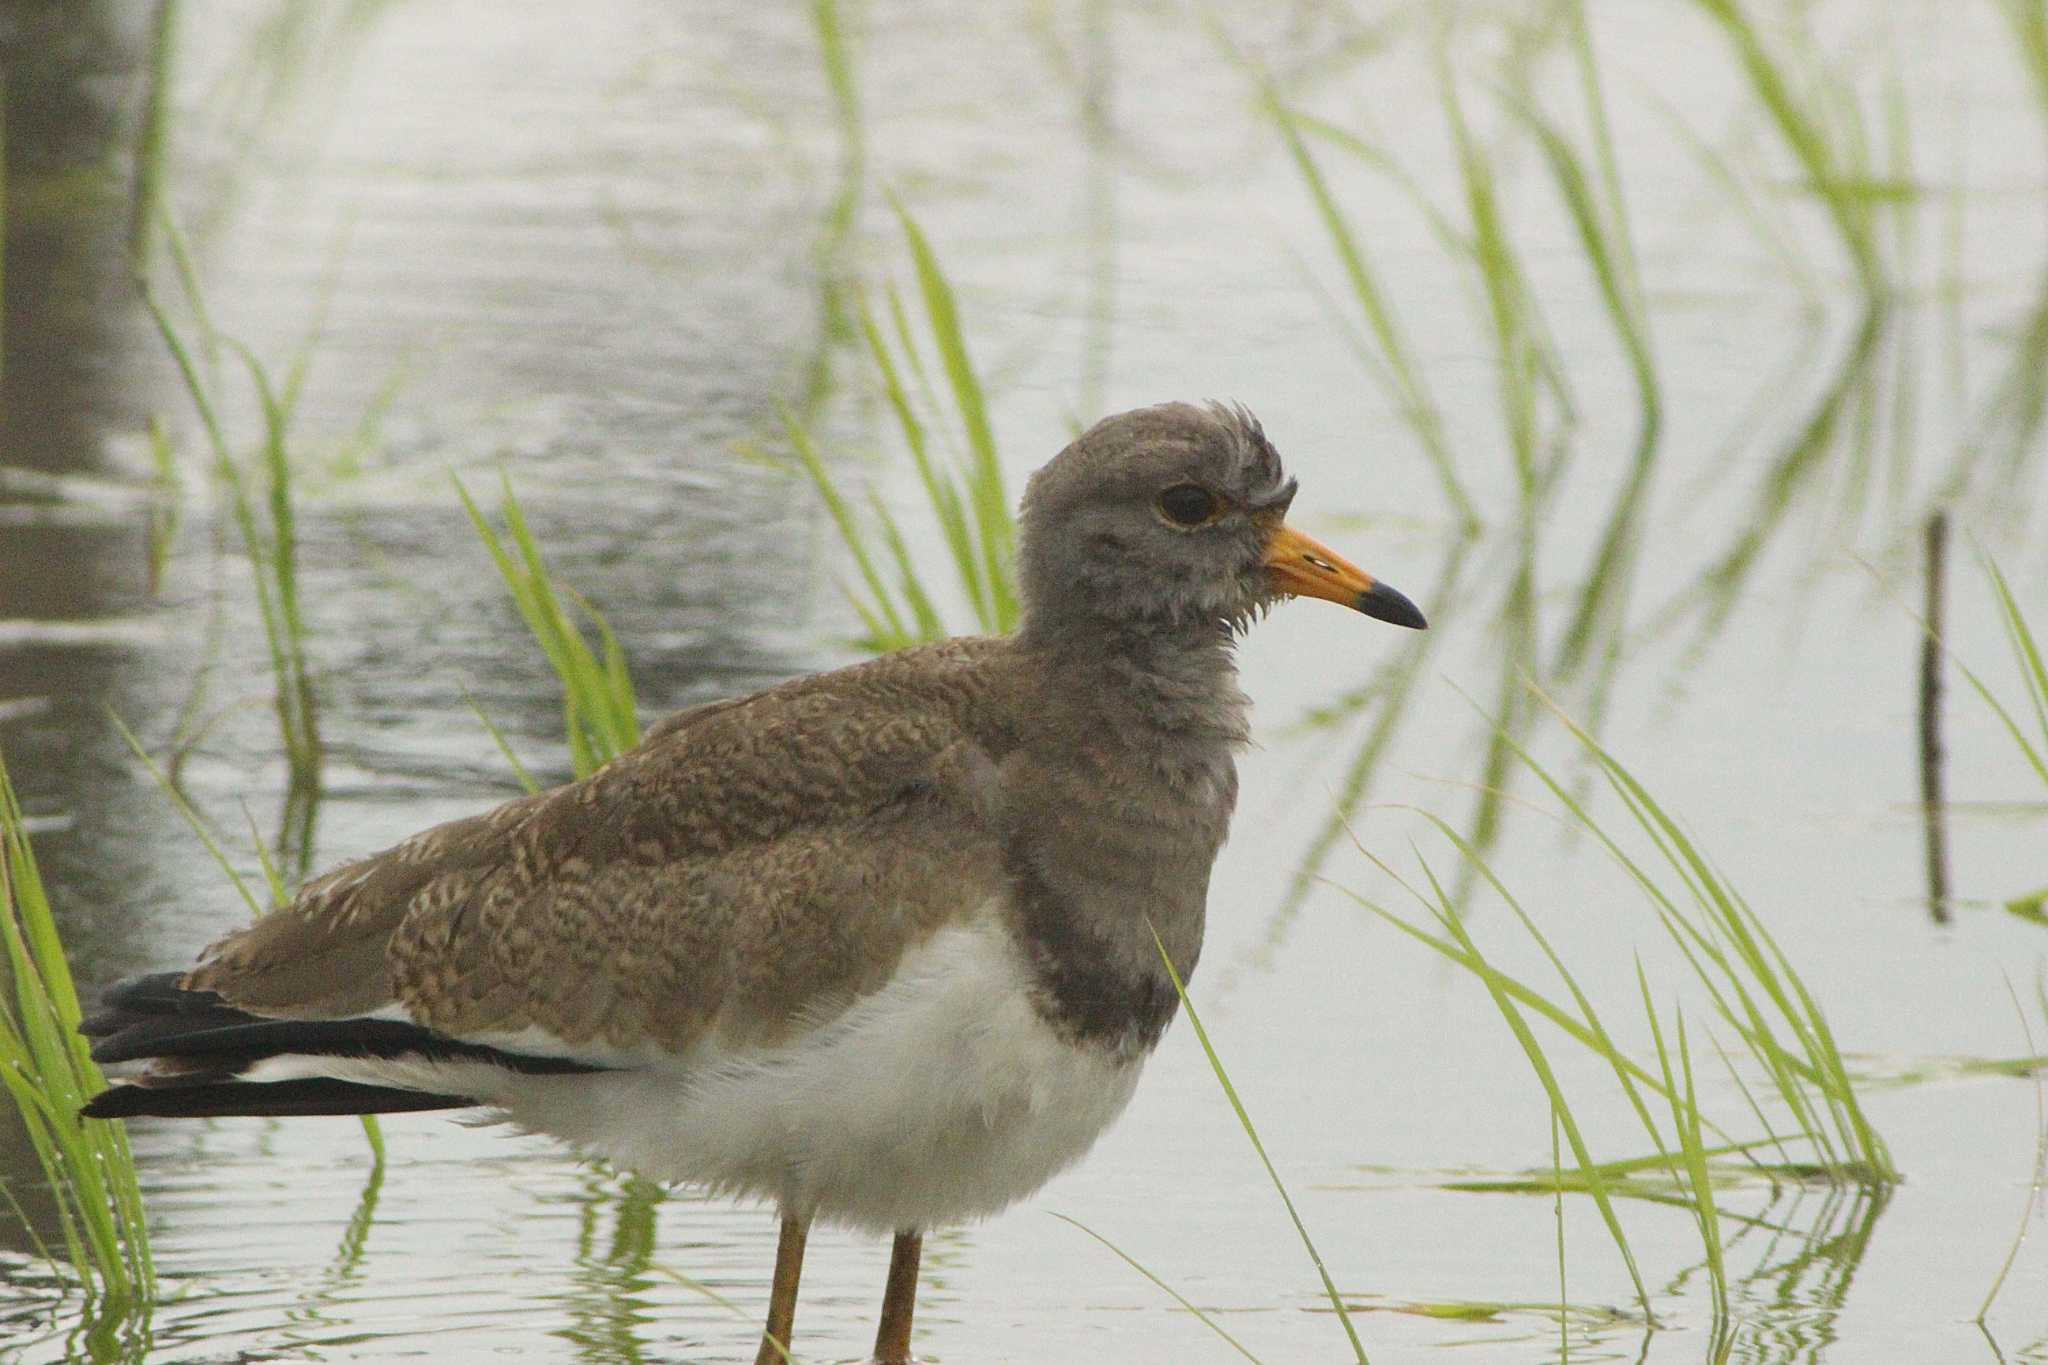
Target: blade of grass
{"points": [[940, 493], [878, 608], [1409, 388], [1685, 1115], [599, 709], [1800, 126], [987, 499], [2040, 1171], [1596, 1184], [1757, 961], [192, 818], [699, 1287], [2032, 671], [1244, 1119], [47, 1069], [1131, 1261], [519, 770]]}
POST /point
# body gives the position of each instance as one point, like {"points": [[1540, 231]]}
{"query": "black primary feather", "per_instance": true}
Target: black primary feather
{"points": [[205, 1044], [262, 1099]]}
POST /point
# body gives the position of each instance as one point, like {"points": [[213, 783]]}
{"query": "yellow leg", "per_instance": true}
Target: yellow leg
{"points": [[789, 1268], [899, 1299]]}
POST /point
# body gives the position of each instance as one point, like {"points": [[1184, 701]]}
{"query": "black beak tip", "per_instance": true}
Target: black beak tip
{"points": [[1383, 603]]}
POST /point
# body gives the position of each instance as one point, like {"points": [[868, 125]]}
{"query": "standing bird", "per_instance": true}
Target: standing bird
{"points": [[881, 945]]}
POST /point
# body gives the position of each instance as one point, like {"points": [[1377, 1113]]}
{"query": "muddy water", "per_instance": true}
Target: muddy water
{"points": [[593, 254]]}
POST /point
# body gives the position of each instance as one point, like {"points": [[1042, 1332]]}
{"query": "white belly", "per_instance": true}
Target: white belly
{"points": [[940, 1098]]}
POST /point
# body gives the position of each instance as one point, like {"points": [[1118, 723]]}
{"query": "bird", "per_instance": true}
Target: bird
{"points": [[885, 946]]}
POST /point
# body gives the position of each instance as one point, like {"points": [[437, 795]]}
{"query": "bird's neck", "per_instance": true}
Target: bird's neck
{"points": [[1128, 786], [1177, 681]]}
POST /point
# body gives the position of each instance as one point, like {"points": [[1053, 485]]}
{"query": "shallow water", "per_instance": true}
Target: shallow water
{"points": [[588, 253]]}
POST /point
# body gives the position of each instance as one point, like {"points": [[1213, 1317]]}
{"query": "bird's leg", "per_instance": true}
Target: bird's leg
{"points": [[899, 1298], [789, 1268]]}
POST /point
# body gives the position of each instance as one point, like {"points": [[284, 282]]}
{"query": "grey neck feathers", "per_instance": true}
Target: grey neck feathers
{"points": [[1151, 698], [1176, 679]]}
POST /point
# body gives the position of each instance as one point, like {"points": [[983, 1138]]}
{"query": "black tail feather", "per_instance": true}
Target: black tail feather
{"points": [[282, 1099], [202, 1044]]}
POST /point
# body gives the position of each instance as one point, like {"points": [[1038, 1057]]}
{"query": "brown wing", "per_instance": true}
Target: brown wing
{"points": [[745, 871]]}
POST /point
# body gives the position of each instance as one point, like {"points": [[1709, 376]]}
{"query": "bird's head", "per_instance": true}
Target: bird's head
{"points": [[1174, 517]]}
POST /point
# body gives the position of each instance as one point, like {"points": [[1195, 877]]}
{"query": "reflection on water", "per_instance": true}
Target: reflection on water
{"points": [[1612, 365], [615, 1246]]}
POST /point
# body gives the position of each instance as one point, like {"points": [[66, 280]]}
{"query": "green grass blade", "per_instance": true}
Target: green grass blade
{"points": [[271, 876], [878, 609], [1205, 1319], [599, 709], [1757, 972], [1410, 391], [987, 498], [519, 770], [2040, 1167], [1595, 1036], [915, 599], [1804, 135], [47, 1070], [940, 492], [1520, 992], [2024, 649], [1244, 1119], [1596, 1183], [193, 819]]}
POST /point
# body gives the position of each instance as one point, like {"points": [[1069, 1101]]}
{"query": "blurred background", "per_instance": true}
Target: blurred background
{"points": [[1680, 358]]}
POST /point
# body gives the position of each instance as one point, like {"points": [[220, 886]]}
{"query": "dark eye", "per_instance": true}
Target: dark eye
{"points": [[1187, 504]]}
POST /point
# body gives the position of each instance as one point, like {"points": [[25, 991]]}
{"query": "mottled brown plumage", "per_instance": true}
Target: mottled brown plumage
{"points": [[748, 867]]}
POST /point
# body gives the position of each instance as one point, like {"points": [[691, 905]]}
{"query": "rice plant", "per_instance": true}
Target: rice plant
{"points": [[600, 716], [48, 1073], [151, 163], [951, 443], [1754, 987], [272, 548], [841, 219], [270, 541], [1755, 992]]}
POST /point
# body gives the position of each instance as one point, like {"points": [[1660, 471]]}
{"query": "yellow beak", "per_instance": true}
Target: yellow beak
{"points": [[1302, 566]]}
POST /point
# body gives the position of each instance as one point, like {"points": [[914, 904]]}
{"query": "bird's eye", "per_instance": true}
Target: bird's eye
{"points": [[1188, 504]]}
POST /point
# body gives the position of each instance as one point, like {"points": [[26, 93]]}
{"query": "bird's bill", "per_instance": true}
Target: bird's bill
{"points": [[1302, 566]]}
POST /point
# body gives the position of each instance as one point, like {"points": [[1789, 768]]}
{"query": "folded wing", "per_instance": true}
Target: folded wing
{"points": [[749, 871]]}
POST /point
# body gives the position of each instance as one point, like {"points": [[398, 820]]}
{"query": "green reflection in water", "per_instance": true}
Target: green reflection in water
{"points": [[608, 1302]]}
